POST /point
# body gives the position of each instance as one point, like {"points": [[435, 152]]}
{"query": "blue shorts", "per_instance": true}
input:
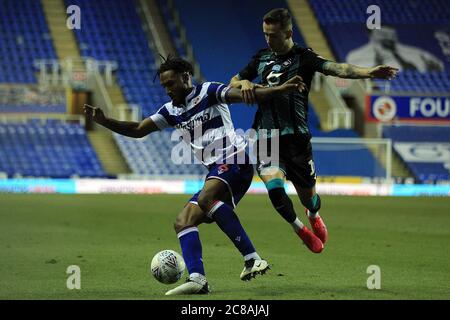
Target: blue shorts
{"points": [[237, 177]]}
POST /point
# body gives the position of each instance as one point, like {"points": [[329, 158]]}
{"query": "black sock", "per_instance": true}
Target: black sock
{"points": [[282, 204], [313, 204]]}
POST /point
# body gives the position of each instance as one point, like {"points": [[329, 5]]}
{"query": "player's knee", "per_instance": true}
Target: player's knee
{"points": [[178, 225], [275, 183], [181, 222], [205, 201], [313, 204]]}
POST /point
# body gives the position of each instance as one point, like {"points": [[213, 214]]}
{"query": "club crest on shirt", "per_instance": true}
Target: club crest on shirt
{"points": [[223, 168], [276, 67], [196, 100]]}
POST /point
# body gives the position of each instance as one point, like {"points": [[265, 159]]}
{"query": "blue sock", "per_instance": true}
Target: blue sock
{"points": [[192, 250], [229, 223]]}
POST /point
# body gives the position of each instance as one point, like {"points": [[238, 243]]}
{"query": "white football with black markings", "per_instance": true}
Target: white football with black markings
{"points": [[167, 266]]}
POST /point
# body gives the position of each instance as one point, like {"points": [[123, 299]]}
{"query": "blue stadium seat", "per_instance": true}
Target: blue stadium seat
{"points": [[23, 38], [114, 32], [53, 149], [339, 20], [152, 156], [425, 170]]}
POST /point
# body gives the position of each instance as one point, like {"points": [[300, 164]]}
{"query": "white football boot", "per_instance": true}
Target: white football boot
{"points": [[194, 285], [253, 267]]}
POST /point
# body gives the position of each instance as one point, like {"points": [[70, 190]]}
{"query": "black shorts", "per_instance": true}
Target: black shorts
{"points": [[295, 159]]}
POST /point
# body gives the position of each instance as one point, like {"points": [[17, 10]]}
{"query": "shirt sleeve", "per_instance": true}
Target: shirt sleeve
{"points": [[250, 72], [162, 119], [314, 61], [217, 92]]}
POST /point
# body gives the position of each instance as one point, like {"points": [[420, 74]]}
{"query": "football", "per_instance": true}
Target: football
{"points": [[167, 266]]}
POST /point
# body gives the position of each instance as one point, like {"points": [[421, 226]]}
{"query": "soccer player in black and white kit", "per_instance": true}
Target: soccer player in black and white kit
{"points": [[288, 113]]}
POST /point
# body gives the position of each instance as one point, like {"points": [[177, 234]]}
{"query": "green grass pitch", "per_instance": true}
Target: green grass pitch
{"points": [[112, 238]]}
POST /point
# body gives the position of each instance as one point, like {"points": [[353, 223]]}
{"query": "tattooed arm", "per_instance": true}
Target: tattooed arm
{"points": [[349, 71]]}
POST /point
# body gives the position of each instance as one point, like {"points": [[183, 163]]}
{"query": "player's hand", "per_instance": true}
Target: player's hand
{"points": [[248, 91], [96, 113], [293, 84], [383, 72]]}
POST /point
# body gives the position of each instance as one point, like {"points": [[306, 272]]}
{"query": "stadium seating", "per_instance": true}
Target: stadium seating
{"points": [[237, 28], [242, 35], [333, 159], [338, 21], [152, 155], [24, 37], [112, 31], [53, 149], [32, 108], [414, 81], [248, 34], [427, 162], [351, 160], [172, 27], [400, 11]]}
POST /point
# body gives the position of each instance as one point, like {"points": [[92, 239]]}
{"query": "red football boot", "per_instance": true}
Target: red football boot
{"points": [[312, 242], [318, 227]]}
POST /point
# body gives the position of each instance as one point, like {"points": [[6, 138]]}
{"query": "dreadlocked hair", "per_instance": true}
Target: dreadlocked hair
{"points": [[176, 64]]}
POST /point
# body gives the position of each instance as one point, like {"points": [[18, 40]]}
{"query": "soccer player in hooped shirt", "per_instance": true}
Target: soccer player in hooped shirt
{"points": [[289, 113], [203, 108]]}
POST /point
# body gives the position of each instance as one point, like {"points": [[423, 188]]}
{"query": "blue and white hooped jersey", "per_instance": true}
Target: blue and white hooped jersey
{"points": [[205, 119]]}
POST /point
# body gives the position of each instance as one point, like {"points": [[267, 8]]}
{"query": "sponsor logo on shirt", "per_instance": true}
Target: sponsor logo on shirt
{"points": [[273, 78], [191, 124]]}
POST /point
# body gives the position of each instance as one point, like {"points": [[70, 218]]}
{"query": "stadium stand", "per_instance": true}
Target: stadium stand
{"points": [[337, 22], [172, 27], [242, 34], [418, 26], [112, 31], [425, 150], [53, 149], [332, 159], [30, 98], [353, 160], [248, 34], [400, 11], [414, 81], [152, 155], [24, 37]]}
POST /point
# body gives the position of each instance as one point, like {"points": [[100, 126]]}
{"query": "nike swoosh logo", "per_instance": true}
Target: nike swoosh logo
{"points": [[258, 265], [270, 62]]}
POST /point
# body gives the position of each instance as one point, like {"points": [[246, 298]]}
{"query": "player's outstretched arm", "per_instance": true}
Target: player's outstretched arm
{"points": [[263, 93], [126, 128], [247, 89], [349, 71]]}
